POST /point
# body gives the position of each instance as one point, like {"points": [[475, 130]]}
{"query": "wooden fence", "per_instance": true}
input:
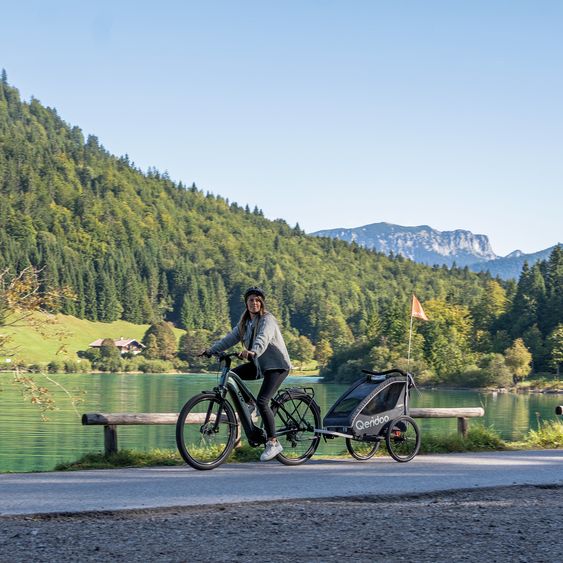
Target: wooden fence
{"points": [[110, 421]]}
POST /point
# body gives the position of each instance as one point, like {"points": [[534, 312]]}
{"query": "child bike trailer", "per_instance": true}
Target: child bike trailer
{"points": [[372, 409]]}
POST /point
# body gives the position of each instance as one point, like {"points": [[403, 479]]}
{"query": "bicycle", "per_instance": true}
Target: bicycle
{"points": [[209, 424]]}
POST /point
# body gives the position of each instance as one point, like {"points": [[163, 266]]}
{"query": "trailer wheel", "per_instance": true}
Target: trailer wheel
{"points": [[402, 438], [362, 451]]}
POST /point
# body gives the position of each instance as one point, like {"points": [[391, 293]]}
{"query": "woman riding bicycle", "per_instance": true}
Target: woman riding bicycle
{"points": [[264, 347]]}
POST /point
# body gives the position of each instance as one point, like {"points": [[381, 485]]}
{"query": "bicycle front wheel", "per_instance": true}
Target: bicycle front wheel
{"points": [[206, 431], [296, 418], [403, 438]]}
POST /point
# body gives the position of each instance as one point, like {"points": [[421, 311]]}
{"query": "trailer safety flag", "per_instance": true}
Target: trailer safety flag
{"points": [[417, 310]]}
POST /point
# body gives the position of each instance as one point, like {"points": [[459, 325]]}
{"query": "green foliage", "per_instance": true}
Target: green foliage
{"points": [[155, 366], [479, 438], [160, 341], [518, 358], [301, 349], [548, 435], [108, 350], [323, 352], [492, 371], [123, 458], [191, 344], [245, 453], [55, 366], [555, 344], [134, 245]]}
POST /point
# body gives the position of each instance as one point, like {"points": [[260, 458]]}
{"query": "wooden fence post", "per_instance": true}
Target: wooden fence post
{"points": [[110, 439], [462, 425]]}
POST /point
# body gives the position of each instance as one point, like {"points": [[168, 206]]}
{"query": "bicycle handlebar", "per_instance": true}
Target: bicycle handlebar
{"points": [[221, 356]]}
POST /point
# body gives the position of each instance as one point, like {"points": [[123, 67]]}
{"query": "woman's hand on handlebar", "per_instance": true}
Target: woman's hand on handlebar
{"points": [[246, 355], [205, 353]]}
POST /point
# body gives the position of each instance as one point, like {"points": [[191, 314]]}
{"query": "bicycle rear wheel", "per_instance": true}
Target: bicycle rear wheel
{"points": [[296, 417], [361, 451], [206, 431], [403, 438]]}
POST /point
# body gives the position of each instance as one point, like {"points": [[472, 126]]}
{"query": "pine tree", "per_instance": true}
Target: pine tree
{"points": [[109, 307], [551, 310], [555, 344]]}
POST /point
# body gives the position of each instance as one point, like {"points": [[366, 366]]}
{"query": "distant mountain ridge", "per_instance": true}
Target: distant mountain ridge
{"points": [[511, 265], [429, 246]]}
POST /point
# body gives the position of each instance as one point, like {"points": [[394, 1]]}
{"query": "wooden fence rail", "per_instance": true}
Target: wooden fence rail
{"points": [[110, 421]]}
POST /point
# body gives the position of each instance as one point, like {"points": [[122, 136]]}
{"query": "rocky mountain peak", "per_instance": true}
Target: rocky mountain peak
{"points": [[420, 243]]}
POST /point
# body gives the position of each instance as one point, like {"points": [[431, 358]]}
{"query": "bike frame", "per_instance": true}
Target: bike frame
{"points": [[230, 383]]}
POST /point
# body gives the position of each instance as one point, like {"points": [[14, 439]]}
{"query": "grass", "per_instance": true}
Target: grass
{"points": [[153, 458], [479, 439], [548, 436], [49, 337], [123, 458], [543, 383]]}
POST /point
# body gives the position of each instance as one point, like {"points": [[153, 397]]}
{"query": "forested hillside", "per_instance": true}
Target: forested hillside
{"points": [[136, 246]]}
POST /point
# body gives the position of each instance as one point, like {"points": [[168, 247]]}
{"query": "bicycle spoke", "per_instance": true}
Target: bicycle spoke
{"points": [[206, 431], [296, 419]]}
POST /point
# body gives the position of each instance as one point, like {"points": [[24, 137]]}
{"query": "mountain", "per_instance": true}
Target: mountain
{"points": [[429, 246], [421, 244], [511, 265], [136, 246], [121, 243]]}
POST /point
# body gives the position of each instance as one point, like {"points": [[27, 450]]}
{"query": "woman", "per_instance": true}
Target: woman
{"points": [[264, 347]]}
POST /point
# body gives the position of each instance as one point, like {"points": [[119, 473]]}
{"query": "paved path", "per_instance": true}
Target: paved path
{"points": [[27, 493]]}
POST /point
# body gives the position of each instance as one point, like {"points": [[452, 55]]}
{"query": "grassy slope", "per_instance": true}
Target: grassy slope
{"points": [[60, 336]]}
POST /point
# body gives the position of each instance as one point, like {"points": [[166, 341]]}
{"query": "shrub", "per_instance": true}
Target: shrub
{"points": [[85, 366], [133, 363], [180, 365], [55, 366], [112, 365], [71, 366], [548, 435], [491, 371], [155, 366]]}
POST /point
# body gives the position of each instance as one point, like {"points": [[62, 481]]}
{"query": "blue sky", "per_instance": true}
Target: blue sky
{"points": [[327, 113]]}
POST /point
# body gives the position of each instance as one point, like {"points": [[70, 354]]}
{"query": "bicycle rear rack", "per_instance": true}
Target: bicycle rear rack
{"points": [[292, 391]]}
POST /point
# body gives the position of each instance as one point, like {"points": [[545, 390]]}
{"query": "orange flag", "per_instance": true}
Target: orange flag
{"points": [[417, 310]]}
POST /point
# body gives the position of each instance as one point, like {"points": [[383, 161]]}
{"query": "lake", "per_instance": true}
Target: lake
{"points": [[27, 443]]}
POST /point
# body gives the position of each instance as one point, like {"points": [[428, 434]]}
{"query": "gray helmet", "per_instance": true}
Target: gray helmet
{"points": [[254, 291]]}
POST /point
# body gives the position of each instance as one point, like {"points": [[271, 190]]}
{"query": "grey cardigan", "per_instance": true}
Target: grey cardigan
{"points": [[268, 346]]}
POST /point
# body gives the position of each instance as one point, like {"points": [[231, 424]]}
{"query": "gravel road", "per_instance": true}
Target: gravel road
{"points": [[520, 523]]}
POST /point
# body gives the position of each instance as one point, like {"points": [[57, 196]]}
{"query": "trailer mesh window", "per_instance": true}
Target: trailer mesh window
{"points": [[384, 401]]}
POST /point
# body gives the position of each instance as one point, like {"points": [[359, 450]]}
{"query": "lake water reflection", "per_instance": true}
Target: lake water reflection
{"points": [[29, 444]]}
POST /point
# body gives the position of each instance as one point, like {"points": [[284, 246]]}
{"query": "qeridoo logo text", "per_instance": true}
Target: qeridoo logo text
{"points": [[375, 421]]}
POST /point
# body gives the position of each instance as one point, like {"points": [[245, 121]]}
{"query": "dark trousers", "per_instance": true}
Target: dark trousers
{"points": [[273, 378]]}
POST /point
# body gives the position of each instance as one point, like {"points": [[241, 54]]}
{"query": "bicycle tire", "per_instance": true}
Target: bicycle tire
{"points": [[296, 417], [362, 451], [403, 438], [201, 443]]}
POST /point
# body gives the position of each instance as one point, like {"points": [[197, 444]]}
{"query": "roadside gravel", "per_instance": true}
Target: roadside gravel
{"points": [[521, 524]]}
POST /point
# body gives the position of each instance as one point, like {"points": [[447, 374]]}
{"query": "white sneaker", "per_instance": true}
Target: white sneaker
{"points": [[271, 451]]}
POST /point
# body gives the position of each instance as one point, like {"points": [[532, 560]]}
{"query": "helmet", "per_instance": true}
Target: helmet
{"points": [[254, 291]]}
